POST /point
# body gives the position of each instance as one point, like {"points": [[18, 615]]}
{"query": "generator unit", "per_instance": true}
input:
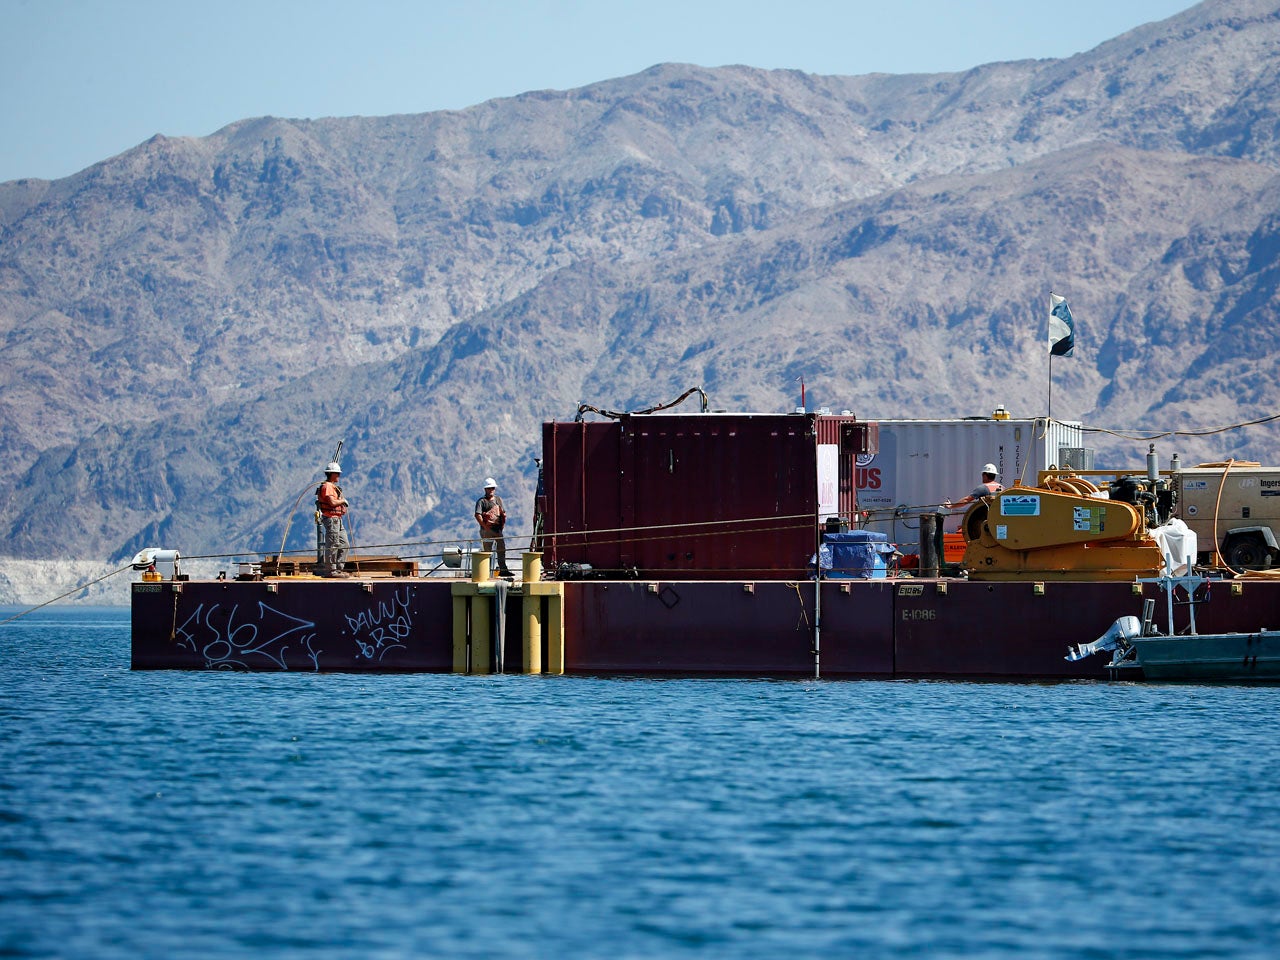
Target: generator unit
{"points": [[1234, 506]]}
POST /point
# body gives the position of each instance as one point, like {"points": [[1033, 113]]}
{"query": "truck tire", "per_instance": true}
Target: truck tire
{"points": [[1247, 552]]}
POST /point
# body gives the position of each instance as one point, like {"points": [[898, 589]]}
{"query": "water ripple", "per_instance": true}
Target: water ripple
{"points": [[217, 815]]}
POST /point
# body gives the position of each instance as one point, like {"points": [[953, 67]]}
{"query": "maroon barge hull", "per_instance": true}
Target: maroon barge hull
{"points": [[883, 628]]}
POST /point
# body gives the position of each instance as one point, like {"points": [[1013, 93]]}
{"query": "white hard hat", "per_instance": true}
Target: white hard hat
{"points": [[333, 466], [991, 469], [490, 483]]}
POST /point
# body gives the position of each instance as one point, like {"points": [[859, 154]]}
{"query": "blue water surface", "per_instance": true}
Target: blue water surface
{"points": [[170, 814]]}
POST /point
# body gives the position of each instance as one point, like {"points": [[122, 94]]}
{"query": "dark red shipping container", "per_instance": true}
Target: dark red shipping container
{"points": [[712, 496]]}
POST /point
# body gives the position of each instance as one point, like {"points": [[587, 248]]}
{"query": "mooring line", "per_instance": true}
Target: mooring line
{"points": [[76, 589]]}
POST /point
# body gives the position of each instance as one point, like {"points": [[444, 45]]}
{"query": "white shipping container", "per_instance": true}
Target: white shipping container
{"points": [[921, 463]]}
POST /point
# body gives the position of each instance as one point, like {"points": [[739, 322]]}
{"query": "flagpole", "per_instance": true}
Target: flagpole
{"points": [[1062, 337], [1049, 417]]}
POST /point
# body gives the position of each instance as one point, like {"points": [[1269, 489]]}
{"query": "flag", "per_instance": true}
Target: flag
{"points": [[1062, 329]]}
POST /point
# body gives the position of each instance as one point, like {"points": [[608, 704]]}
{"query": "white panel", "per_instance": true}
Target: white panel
{"points": [[828, 480]]}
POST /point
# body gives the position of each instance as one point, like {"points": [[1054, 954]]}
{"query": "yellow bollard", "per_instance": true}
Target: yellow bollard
{"points": [[480, 566], [555, 632], [532, 632], [531, 567]]}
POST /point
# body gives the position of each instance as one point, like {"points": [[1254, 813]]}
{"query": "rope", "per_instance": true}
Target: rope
{"points": [[1183, 433], [575, 538], [83, 586], [803, 619], [803, 520], [582, 538], [718, 525], [1022, 477]]}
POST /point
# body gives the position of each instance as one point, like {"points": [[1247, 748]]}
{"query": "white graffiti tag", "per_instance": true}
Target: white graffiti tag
{"points": [[383, 626], [229, 641]]}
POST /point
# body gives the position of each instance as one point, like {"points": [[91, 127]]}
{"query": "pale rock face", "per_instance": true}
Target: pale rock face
{"points": [[30, 583], [190, 328]]}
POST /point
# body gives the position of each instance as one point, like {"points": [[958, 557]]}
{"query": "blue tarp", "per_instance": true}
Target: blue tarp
{"points": [[856, 555]]}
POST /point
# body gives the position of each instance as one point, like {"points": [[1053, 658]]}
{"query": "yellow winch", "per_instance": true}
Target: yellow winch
{"points": [[1063, 530]]}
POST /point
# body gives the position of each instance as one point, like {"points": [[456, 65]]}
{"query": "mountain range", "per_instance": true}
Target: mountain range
{"points": [[192, 326]]}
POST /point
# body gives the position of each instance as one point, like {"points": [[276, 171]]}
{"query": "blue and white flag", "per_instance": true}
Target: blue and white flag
{"points": [[1062, 329]]}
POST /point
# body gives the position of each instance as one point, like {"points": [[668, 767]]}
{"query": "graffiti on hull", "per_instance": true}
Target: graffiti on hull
{"points": [[382, 627], [232, 640]]}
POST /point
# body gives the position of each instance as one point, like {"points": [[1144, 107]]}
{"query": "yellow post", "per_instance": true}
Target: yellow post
{"points": [[480, 566], [460, 605], [531, 567], [555, 632], [481, 631], [532, 631]]}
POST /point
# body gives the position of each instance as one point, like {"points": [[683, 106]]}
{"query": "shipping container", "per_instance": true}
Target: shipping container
{"points": [[919, 464], [710, 495]]}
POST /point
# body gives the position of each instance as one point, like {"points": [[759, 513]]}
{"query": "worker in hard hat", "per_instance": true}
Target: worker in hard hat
{"points": [[331, 507], [989, 487], [492, 517]]}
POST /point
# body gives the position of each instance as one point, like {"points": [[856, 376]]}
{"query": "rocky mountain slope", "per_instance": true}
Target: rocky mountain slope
{"points": [[191, 326]]}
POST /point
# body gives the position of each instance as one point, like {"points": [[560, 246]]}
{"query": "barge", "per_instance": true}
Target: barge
{"points": [[690, 544]]}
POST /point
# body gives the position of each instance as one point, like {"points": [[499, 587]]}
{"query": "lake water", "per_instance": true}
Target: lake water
{"points": [[169, 814]]}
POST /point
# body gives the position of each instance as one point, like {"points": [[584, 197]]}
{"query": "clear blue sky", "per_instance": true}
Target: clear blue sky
{"points": [[81, 80]]}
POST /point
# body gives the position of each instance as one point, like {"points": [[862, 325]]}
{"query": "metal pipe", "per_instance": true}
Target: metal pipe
{"points": [[817, 604], [928, 545], [817, 624]]}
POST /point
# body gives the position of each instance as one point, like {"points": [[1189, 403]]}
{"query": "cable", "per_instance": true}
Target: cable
{"points": [[1183, 433], [77, 589], [615, 415], [289, 522]]}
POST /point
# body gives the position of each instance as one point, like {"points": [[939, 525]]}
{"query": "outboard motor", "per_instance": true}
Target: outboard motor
{"points": [[1117, 637]]}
